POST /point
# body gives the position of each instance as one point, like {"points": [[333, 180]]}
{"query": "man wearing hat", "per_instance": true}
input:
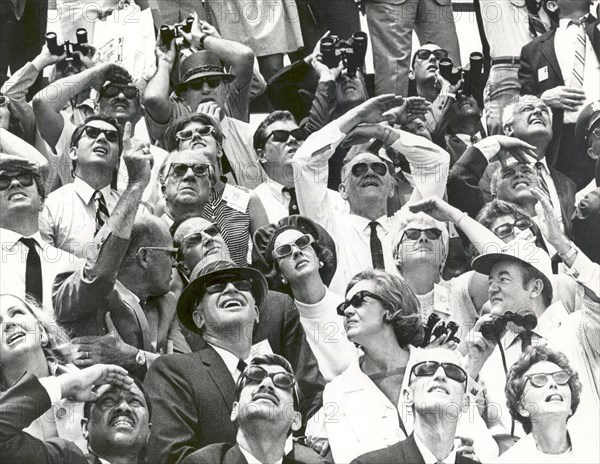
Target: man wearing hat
{"points": [[29, 264], [205, 86]]}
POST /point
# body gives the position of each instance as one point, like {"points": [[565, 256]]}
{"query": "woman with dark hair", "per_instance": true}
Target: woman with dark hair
{"points": [[33, 342], [298, 257], [543, 392]]}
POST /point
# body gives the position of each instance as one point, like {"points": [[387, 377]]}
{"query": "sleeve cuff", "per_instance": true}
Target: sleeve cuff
{"points": [[582, 268], [489, 147], [52, 387]]}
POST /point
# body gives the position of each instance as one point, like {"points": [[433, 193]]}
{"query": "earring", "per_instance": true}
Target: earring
{"points": [[44, 339], [321, 264], [283, 281]]}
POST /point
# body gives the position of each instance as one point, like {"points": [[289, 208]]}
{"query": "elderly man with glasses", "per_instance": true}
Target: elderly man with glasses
{"points": [[118, 302]]}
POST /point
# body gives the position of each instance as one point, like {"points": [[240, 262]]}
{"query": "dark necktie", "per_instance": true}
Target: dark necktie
{"points": [[241, 365], [376, 248], [525, 337], [293, 206], [539, 167], [101, 210], [33, 271]]}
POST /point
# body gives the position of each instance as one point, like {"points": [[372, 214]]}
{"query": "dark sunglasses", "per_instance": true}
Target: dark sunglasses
{"points": [[198, 84], [196, 238], [596, 132], [187, 134], [438, 54], [414, 234], [287, 249], [181, 169], [219, 285], [504, 230], [284, 135], [280, 379], [360, 169], [429, 368], [539, 380], [356, 301], [113, 90], [24, 178], [94, 132], [3, 100]]}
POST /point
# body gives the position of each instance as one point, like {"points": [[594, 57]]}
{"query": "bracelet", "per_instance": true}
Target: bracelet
{"points": [[461, 218]]}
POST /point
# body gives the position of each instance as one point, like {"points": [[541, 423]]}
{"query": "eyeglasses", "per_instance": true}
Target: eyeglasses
{"points": [[414, 234], [3, 100], [198, 84], [356, 301], [180, 169], [504, 230], [171, 251], [539, 380], [429, 368], [219, 285], [94, 132], [438, 54], [596, 132], [129, 91], [287, 249], [284, 135], [360, 169], [24, 178], [280, 379], [196, 238], [187, 134]]}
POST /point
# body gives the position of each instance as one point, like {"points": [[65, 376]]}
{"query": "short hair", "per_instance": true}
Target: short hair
{"points": [[170, 138], [35, 173], [403, 310], [425, 219], [78, 132], [497, 175], [260, 135], [508, 114], [515, 382], [414, 57], [58, 345], [270, 360], [530, 274], [146, 231], [87, 406], [180, 220], [212, 176]]}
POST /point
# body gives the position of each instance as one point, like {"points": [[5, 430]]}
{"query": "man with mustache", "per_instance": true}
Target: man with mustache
{"points": [[116, 417], [266, 412]]}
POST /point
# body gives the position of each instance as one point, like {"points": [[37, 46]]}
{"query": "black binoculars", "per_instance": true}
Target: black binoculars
{"points": [[170, 33], [436, 328], [492, 330], [68, 47], [352, 51], [473, 78]]}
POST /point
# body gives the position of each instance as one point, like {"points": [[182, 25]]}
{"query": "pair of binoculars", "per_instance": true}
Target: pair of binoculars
{"points": [[436, 328], [169, 33], [492, 330], [352, 51], [68, 47], [473, 79]]}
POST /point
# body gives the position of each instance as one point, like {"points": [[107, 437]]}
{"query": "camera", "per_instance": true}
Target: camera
{"points": [[169, 33], [492, 330], [473, 79], [68, 47], [436, 328], [352, 51]]}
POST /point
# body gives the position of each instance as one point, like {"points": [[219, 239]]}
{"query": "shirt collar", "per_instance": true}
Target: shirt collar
{"points": [[10, 238], [548, 322], [230, 359], [86, 191], [362, 223], [564, 22], [428, 456], [276, 188], [252, 460]]}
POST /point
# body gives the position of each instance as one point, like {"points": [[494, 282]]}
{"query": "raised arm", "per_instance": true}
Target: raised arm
{"points": [[156, 95]]}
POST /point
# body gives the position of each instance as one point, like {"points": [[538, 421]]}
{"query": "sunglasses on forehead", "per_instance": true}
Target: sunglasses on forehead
{"points": [[179, 170], [504, 230], [24, 178], [360, 169], [414, 234], [424, 54], [94, 132], [198, 84], [284, 135], [429, 368], [187, 134], [280, 379], [357, 301], [539, 380], [113, 90], [288, 248]]}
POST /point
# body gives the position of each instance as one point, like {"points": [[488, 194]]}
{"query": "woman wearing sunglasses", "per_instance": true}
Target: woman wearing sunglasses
{"points": [[543, 392], [298, 257]]}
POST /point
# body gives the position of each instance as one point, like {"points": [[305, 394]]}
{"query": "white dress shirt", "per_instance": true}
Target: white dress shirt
{"points": [[14, 263], [564, 44], [252, 460], [230, 360], [428, 456]]}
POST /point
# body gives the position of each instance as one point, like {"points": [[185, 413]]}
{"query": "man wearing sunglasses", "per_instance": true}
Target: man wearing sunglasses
{"points": [[118, 304], [265, 411], [435, 393], [363, 233]]}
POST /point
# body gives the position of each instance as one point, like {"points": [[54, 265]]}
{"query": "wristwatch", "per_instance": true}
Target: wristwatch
{"points": [[140, 358]]}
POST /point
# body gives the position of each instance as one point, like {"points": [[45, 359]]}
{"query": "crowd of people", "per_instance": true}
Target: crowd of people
{"points": [[392, 268]]}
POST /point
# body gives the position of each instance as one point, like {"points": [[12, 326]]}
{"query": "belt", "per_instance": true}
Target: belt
{"points": [[506, 60]]}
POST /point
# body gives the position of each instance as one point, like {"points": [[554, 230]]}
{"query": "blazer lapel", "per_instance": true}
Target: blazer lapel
{"points": [[411, 451], [592, 29], [547, 48], [234, 456], [219, 373]]}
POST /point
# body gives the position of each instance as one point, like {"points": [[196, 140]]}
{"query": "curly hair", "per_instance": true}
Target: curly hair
{"points": [[58, 345], [403, 310], [516, 382]]}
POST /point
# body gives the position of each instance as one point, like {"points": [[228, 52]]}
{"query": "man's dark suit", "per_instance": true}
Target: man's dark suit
{"points": [[537, 55], [403, 452], [223, 453], [21, 405]]}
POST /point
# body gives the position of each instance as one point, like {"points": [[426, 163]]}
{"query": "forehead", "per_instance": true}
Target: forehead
{"points": [[364, 158], [101, 124], [515, 168], [507, 266], [418, 224], [282, 125], [287, 236], [531, 102], [543, 367], [439, 355], [189, 156], [8, 302], [368, 285], [192, 225], [193, 124], [135, 392], [430, 47], [508, 218]]}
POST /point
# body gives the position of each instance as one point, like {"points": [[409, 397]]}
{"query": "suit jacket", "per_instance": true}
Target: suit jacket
{"points": [[404, 452], [21, 405], [223, 453]]}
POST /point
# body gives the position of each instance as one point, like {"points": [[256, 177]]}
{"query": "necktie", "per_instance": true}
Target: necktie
{"points": [[376, 248], [241, 365], [33, 271], [101, 210], [539, 167], [476, 138], [293, 206], [576, 80], [525, 337]]}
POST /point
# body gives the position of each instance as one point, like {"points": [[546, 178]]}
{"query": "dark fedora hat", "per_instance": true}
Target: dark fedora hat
{"points": [[202, 64], [207, 272]]}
